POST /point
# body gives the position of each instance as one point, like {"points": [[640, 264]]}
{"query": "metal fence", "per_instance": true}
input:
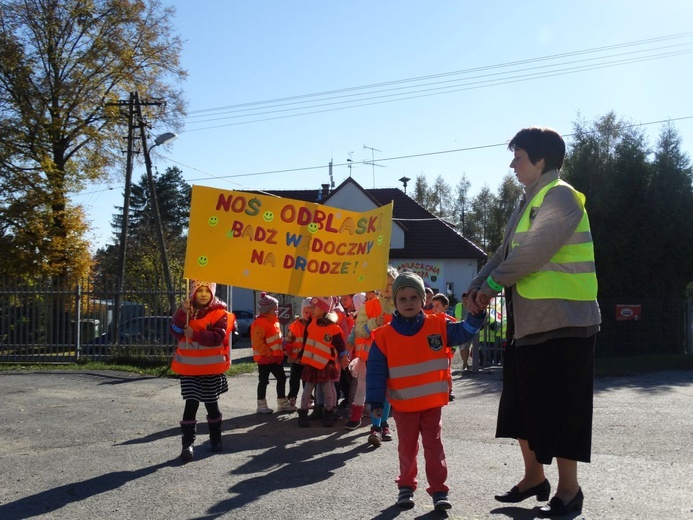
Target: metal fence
{"points": [[54, 321]]}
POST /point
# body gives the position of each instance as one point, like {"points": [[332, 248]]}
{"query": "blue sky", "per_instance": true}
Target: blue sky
{"points": [[247, 53]]}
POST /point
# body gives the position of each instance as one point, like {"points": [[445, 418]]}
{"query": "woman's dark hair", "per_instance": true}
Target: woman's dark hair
{"points": [[540, 143]]}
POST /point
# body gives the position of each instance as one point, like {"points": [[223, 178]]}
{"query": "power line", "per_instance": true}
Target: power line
{"points": [[444, 74], [493, 79], [439, 91], [395, 158]]}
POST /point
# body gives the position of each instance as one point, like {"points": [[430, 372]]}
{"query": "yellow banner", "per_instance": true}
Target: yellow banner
{"points": [[286, 246]]}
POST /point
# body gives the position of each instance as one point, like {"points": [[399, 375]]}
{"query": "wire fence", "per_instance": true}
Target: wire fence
{"points": [[58, 321]]}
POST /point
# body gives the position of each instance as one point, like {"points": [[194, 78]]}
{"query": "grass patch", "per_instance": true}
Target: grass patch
{"points": [[135, 366], [604, 367]]}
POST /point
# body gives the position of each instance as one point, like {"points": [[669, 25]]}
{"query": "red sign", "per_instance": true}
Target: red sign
{"points": [[628, 312], [285, 314]]}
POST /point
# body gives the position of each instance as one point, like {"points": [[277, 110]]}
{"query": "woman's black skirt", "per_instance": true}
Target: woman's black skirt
{"points": [[547, 397]]}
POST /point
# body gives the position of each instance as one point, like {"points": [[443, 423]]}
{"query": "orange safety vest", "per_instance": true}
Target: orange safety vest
{"points": [[318, 350], [272, 345], [343, 322], [448, 319], [297, 328], [373, 310], [418, 365], [193, 359], [230, 326]]}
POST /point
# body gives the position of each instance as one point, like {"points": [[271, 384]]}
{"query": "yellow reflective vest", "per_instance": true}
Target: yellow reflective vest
{"points": [[570, 274]]}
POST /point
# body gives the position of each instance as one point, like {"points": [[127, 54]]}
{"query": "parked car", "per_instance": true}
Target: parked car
{"points": [[143, 330], [244, 319]]}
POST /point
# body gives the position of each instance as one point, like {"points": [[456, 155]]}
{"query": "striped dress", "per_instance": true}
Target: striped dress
{"points": [[205, 389]]}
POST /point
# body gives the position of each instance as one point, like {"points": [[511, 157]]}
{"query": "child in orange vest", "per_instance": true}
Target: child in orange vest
{"points": [[200, 325], [323, 356], [408, 363], [266, 340], [293, 345], [440, 306], [374, 313]]}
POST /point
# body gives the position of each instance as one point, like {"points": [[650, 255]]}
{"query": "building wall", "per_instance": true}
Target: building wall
{"points": [[438, 274]]}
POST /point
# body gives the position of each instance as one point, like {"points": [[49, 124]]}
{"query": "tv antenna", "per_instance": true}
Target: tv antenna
{"points": [[372, 161], [349, 162]]}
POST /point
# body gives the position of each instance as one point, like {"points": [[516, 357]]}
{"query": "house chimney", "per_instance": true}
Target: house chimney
{"points": [[325, 191]]}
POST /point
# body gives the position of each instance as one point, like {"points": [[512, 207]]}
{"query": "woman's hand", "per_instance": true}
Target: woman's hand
{"points": [[482, 301], [470, 301]]}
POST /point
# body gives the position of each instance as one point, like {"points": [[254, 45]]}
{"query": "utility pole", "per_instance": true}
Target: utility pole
{"points": [[157, 213], [126, 211], [134, 107], [372, 161]]}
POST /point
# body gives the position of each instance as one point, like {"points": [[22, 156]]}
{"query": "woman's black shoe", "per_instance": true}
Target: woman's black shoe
{"points": [[556, 506], [542, 492]]}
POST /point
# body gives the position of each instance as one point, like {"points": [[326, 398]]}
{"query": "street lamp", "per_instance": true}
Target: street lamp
{"points": [[162, 139]]}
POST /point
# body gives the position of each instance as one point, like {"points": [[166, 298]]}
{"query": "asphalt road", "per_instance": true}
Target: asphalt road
{"points": [[95, 445]]}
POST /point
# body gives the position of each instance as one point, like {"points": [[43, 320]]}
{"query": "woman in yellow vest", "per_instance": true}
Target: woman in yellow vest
{"points": [[408, 362], [546, 265], [201, 326]]}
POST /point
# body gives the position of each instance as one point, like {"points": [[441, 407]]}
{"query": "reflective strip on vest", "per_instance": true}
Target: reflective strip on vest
{"points": [[570, 274], [316, 354], [418, 368], [427, 391], [274, 342], [190, 359]]}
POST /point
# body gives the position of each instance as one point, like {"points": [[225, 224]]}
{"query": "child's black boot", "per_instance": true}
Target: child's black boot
{"points": [[329, 417], [214, 433], [317, 412], [189, 431], [303, 421]]}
